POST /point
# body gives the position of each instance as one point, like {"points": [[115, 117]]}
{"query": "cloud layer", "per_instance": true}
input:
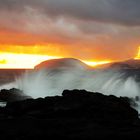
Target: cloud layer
{"points": [[101, 29]]}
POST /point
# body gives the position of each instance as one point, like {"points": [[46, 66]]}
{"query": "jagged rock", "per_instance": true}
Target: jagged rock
{"points": [[76, 114], [12, 95]]}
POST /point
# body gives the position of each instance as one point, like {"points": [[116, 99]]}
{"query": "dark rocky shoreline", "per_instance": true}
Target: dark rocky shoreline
{"points": [[76, 114]]}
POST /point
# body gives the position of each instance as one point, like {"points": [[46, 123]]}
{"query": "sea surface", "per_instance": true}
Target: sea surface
{"points": [[9, 75]]}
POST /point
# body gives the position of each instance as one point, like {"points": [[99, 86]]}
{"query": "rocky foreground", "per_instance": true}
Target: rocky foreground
{"points": [[76, 114]]}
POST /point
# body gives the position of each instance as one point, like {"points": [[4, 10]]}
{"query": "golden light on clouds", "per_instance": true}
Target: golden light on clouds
{"points": [[138, 54], [102, 34], [26, 57]]}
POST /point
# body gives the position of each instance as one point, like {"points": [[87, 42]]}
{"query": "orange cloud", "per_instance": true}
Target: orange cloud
{"points": [[103, 33]]}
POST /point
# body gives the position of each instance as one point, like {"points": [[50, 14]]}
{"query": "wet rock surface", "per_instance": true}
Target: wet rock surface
{"points": [[12, 95], [77, 114]]}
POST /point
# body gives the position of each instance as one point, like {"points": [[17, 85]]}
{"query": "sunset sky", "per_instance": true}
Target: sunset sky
{"points": [[32, 31]]}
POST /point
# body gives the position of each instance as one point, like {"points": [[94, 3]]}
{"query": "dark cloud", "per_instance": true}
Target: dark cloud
{"points": [[112, 11], [100, 28]]}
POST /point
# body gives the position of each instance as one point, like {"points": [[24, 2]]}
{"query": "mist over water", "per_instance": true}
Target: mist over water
{"points": [[43, 83], [48, 82]]}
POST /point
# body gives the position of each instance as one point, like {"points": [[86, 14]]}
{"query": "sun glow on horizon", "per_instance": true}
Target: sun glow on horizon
{"points": [[96, 63], [22, 61], [28, 61], [138, 54]]}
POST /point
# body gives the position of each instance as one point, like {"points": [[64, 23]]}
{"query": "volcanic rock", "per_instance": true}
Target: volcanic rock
{"points": [[12, 95], [77, 114]]}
